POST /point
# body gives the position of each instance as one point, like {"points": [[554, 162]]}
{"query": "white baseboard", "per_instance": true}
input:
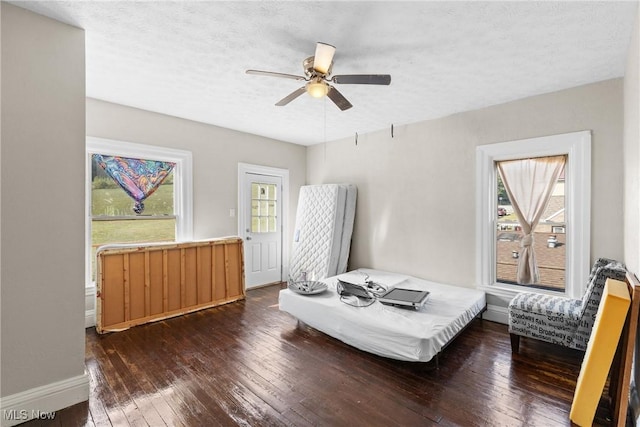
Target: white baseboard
{"points": [[42, 402], [496, 313], [89, 318], [90, 306]]}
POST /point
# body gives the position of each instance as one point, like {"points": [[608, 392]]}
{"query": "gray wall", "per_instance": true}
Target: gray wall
{"points": [[42, 218], [216, 153], [416, 199], [632, 153], [632, 177]]}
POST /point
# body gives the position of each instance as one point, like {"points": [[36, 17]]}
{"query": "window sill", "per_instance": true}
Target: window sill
{"points": [[508, 292]]}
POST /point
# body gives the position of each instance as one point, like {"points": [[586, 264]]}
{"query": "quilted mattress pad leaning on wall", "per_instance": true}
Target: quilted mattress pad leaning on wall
{"points": [[322, 234]]}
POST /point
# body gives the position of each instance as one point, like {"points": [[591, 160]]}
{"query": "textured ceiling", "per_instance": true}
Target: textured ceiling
{"points": [[187, 59]]}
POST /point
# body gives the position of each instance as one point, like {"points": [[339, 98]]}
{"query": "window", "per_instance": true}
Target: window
{"points": [[563, 234], [263, 207], [547, 237], [136, 194]]}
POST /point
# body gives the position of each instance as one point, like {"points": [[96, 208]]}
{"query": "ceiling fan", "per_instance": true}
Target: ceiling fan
{"points": [[317, 70]]}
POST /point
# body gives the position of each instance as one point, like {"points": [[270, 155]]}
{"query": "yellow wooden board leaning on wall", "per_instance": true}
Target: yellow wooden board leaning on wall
{"points": [[601, 349]]}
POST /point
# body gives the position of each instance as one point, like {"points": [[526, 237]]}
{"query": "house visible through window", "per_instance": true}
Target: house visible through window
{"points": [[548, 238]]}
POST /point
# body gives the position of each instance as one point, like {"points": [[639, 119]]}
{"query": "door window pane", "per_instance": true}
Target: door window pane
{"points": [[264, 201]]}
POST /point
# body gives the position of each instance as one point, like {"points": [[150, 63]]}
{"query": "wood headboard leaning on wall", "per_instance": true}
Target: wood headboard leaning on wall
{"points": [[620, 379], [138, 284]]}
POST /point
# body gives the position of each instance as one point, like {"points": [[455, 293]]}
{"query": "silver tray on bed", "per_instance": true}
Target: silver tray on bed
{"points": [[308, 287]]}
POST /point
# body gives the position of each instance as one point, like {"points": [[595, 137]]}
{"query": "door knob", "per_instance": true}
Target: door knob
{"points": [[248, 238]]}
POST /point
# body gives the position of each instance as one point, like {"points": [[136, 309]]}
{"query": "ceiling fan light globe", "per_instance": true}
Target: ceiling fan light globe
{"points": [[317, 89]]}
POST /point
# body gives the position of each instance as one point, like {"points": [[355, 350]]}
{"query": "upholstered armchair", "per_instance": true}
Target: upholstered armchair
{"points": [[561, 320]]}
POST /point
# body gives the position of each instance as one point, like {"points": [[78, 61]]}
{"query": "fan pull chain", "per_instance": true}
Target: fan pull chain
{"points": [[391, 130], [324, 113], [356, 138]]}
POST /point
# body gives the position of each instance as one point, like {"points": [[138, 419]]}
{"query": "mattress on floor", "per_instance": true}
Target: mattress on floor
{"points": [[397, 333], [319, 232]]}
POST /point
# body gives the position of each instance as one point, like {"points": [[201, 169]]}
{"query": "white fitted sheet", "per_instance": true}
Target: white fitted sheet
{"points": [[397, 333]]}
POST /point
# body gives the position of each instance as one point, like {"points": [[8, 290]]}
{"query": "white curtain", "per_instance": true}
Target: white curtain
{"points": [[529, 184]]}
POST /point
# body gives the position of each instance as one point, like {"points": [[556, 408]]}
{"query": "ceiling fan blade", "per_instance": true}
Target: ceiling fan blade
{"points": [[363, 79], [338, 99], [293, 95], [323, 58], [272, 74]]}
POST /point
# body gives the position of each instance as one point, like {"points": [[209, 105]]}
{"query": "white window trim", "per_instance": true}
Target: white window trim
{"points": [[577, 145], [182, 181]]}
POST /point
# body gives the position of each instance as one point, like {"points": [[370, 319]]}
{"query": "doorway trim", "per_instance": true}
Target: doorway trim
{"points": [[244, 168]]}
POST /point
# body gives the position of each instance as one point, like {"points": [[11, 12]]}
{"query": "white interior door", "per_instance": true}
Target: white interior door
{"points": [[262, 231]]}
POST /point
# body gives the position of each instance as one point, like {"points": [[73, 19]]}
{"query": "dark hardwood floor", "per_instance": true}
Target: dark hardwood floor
{"points": [[249, 364]]}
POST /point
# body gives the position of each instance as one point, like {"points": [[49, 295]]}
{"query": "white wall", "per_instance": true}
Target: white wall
{"points": [[416, 197], [0, 202], [632, 178], [632, 154], [42, 167]]}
